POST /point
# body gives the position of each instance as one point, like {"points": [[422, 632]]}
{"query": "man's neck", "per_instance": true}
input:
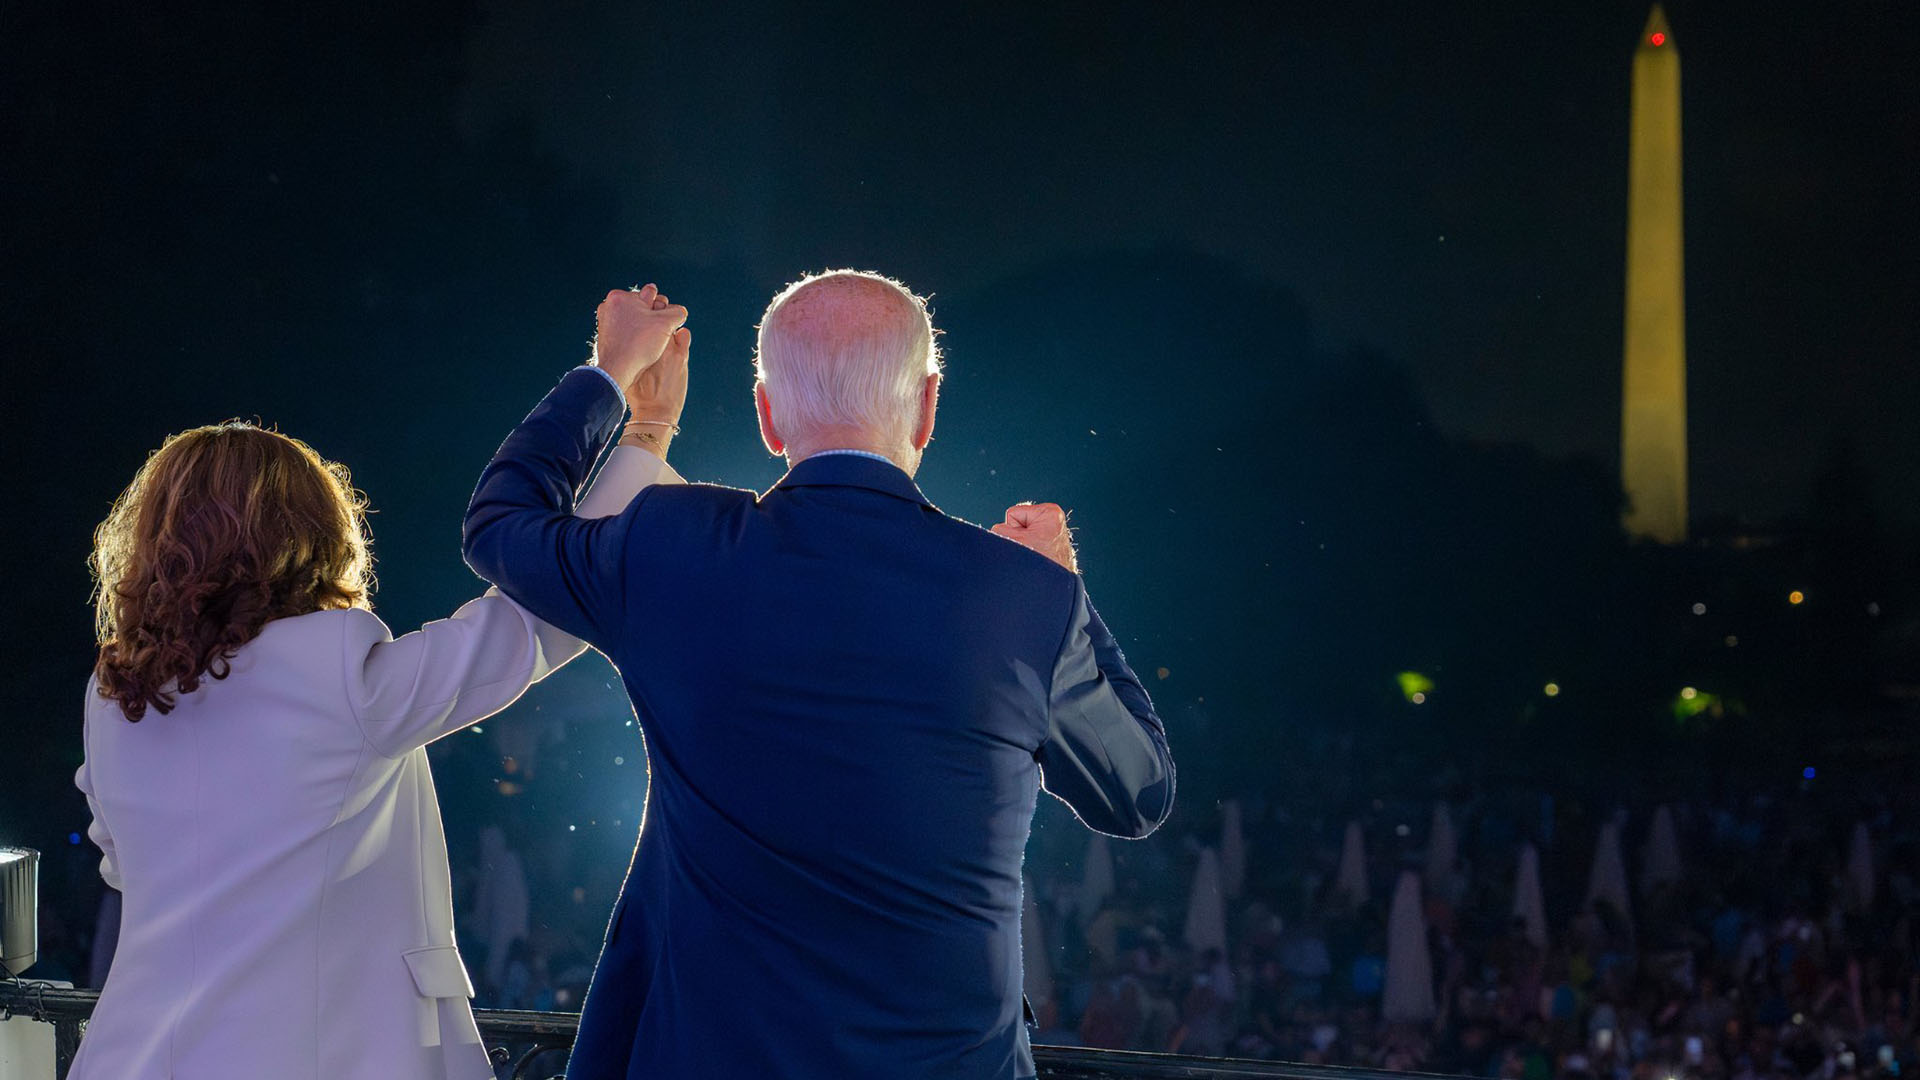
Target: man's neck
{"points": [[905, 458]]}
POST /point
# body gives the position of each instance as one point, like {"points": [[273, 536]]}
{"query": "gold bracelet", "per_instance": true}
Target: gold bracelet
{"points": [[656, 423]]}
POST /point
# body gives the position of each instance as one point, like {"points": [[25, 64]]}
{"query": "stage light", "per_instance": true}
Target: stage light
{"points": [[1552, 689], [19, 908], [1699, 609], [1688, 693], [1657, 40], [1808, 773], [1796, 597], [1418, 698]]}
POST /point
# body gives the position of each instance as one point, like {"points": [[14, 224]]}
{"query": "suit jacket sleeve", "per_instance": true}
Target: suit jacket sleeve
{"points": [[97, 828], [520, 531], [1106, 751], [411, 690]]}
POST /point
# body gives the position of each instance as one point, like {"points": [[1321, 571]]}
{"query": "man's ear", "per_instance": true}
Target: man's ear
{"points": [[929, 401], [763, 408]]}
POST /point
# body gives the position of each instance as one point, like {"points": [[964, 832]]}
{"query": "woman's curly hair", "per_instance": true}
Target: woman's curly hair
{"points": [[223, 529]]}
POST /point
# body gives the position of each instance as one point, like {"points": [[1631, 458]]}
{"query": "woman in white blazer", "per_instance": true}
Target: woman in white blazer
{"points": [[257, 773]]}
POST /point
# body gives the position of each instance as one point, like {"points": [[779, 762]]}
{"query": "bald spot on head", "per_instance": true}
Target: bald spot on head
{"points": [[843, 311]]}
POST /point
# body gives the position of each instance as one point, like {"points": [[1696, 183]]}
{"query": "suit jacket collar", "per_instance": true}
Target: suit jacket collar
{"points": [[852, 470]]}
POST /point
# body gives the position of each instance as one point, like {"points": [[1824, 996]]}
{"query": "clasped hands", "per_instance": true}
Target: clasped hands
{"points": [[643, 342]]}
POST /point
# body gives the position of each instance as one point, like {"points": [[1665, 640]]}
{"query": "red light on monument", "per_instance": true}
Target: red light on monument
{"points": [[1657, 40]]}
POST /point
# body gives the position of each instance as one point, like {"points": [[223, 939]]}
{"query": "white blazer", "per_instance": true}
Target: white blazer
{"points": [[289, 910]]}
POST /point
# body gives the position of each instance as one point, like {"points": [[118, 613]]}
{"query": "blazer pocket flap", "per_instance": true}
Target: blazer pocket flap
{"points": [[438, 972]]}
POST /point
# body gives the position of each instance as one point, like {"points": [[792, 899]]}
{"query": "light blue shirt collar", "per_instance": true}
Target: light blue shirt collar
{"points": [[855, 453]]}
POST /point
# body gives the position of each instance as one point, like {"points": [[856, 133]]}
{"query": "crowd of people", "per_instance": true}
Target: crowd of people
{"points": [[1761, 937]]}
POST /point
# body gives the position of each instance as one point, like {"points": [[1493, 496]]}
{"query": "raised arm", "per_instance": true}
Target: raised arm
{"points": [[1106, 751], [520, 531], [408, 691]]}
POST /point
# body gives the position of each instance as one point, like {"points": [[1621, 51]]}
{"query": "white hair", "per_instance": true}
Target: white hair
{"points": [[846, 349]]}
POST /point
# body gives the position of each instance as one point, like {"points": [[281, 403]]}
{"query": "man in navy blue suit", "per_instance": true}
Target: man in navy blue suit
{"points": [[850, 703]]}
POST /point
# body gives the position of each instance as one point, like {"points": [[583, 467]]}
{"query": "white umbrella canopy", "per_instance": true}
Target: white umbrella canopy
{"points": [[1351, 879], [1529, 905], [1206, 906], [1233, 849], [1662, 866], [501, 903], [1096, 877], [1860, 875], [1442, 851], [1408, 994], [1608, 879], [1037, 973]]}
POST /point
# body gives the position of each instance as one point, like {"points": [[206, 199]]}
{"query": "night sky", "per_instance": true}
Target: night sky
{"points": [[1445, 182], [386, 234]]}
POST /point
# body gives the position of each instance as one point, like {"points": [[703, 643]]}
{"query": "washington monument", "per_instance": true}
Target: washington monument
{"points": [[1653, 415]]}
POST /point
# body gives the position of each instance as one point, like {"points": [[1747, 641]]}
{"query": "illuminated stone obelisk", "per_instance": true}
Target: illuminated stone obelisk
{"points": [[1653, 417]]}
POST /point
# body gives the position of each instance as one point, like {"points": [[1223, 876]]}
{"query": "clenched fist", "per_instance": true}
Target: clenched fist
{"points": [[635, 326], [1043, 528]]}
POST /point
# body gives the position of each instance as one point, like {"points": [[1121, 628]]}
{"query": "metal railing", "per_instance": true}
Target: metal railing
{"points": [[535, 1042]]}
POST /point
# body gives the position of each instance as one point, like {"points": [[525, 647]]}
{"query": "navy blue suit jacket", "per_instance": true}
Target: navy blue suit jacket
{"points": [[850, 703]]}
